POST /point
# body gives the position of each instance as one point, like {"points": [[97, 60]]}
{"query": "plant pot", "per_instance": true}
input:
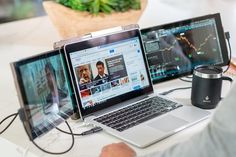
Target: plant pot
{"points": [[71, 23]]}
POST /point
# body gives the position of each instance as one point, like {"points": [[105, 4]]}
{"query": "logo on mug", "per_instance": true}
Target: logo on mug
{"points": [[207, 99]]}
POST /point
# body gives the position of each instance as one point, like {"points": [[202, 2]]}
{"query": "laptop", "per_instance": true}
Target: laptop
{"points": [[114, 90]]}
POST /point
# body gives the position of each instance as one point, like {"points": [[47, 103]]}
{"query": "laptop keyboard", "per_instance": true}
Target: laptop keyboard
{"points": [[135, 114]]}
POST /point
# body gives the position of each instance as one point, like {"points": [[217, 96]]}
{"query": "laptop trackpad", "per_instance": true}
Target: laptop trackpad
{"points": [[167, 123]]}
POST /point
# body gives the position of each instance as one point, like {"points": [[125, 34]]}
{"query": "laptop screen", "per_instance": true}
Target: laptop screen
{"points": [[45, 92], [105, 72], [173, 50]]}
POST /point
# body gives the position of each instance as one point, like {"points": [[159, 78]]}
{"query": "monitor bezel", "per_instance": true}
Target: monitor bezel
{"points": [[102, 40], [22, 94], [220, 32]]}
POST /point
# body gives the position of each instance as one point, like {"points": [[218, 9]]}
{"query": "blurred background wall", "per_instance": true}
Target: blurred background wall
{"points": [[11, 10]]}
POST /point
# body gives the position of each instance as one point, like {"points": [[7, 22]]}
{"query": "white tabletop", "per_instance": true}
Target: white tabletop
{"points": [[10, 149], [28, 37]]}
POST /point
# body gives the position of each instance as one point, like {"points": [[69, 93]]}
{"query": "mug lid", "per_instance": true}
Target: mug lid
{"points": [[209, 72]]}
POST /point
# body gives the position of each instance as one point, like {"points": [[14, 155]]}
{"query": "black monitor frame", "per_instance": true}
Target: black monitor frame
{"points": [[220, 32], [15, 66]]}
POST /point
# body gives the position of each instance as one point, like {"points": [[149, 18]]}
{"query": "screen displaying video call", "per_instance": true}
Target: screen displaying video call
{"points": [[47, 97], [110, 70], [177, 50]]}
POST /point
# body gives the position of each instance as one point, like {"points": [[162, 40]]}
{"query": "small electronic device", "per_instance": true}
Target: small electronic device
{"points": [[114, 89], [44, 92], [173, 50]]}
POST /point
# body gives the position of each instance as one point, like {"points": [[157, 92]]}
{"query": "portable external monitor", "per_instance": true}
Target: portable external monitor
{"points": [[174, 49], [108, 70], [43, 91]]}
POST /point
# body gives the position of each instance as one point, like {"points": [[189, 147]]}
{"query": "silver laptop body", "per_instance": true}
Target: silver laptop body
{"points": [[142, 134], [156, 129]]}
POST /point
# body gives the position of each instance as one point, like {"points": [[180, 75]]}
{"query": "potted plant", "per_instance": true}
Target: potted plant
{"points": [[79, 17]]}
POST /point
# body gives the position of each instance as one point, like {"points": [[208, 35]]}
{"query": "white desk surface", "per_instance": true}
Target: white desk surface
{"points": [[28, 37]]}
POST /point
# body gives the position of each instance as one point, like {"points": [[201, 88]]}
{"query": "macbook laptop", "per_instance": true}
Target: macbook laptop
{"points": [[114, 90]]}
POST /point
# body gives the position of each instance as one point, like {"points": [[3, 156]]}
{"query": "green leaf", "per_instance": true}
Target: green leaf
{"points": [[96, 6], [106, 8]]}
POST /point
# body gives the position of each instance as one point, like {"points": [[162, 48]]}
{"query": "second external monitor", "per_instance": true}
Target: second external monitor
{"points": [[174, 49], [44, 92]]}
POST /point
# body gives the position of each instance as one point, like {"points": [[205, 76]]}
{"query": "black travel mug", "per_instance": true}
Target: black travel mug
{"points": [[206, 86]]}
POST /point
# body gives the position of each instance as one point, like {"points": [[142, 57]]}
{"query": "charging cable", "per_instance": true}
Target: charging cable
{"points": [[88, 132], [91, 131], [54, 153], [14, 115], [175, 89], [184, 80]]}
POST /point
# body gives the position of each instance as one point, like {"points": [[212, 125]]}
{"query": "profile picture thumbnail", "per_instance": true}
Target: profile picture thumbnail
{"points": [[100, 73], [84, 74]]}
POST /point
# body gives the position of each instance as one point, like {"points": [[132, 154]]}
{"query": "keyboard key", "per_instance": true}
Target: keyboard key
{"points": [[135, 114]]}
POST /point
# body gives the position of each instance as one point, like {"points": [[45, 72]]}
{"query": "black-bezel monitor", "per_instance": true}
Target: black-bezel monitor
{"points": [[44, 92], [174, 49], [120, 83]]}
